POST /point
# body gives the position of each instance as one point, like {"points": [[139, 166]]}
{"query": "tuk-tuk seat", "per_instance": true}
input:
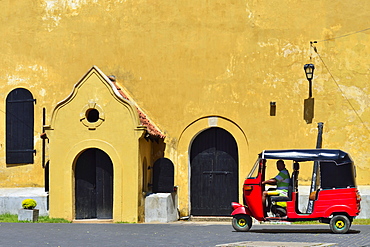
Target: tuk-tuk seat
{"points": [[283, 198]]}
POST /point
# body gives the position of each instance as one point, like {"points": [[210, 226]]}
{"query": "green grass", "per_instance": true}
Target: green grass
{"points": [[361, 222], [13, 218], [306, 222], [355, 222]]}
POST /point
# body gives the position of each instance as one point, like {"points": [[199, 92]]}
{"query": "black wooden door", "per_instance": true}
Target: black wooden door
{"points": [[214, 173], [94, 185], [163, 176]]}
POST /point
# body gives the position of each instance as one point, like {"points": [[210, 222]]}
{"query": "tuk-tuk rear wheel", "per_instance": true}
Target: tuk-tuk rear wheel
{"points": [[340, 224], [242, 222]]}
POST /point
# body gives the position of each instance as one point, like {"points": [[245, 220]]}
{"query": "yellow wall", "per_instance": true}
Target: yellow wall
{"points": [[184, 61], [150, 150]]}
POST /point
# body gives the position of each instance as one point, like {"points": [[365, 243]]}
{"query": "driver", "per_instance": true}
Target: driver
{"points": [[281, 180]]}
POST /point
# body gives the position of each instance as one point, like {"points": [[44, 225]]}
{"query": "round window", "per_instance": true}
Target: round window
{"points": [[92, 115]]}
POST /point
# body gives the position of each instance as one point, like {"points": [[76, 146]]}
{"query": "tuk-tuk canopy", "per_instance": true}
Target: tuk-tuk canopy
{"points": [[336, 155]]}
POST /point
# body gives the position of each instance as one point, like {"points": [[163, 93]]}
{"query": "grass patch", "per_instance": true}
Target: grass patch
{"points": [[312, 222], [13, 218], [8, 218], [46, 219], [355, 222], [361, 222]]}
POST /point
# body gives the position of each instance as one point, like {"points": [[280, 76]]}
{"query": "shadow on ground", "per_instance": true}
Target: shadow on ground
{"points": [[305, 231]]}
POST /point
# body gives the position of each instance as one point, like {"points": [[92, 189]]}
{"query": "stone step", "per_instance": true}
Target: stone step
{"points": [[93, 221]]}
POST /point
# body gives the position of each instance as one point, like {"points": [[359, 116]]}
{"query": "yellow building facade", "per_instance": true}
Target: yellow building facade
{"points": [[96, 152], [197, 71]]}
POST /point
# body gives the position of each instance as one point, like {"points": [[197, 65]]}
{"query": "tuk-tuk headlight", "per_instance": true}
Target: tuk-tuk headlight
{"points": [[247, 187]]}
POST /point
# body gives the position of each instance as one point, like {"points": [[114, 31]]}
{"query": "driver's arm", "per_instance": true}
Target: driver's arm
{"points": [[271, 181]]}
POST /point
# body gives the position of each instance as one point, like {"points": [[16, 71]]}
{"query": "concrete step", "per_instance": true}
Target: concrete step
{"points": [[93, 221]]}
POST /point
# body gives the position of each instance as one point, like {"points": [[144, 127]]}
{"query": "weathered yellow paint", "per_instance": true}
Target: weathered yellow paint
{"points": [[185, 61]]}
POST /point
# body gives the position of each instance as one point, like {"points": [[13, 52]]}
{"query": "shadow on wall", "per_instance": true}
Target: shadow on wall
{"points": [[309, 105]]}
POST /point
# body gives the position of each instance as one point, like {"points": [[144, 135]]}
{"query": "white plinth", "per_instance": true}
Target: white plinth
{"points": [[28, 215], [161, 207]]}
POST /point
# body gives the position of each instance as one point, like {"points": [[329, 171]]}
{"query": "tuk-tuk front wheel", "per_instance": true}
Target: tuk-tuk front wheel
{"points": [[340, 224], [242, 222]]}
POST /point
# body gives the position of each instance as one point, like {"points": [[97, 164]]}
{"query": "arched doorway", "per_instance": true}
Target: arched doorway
{"points": [[214, 172], [94, 185]]}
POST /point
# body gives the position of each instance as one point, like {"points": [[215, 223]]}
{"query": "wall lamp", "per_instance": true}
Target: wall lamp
{"points": [[308, 69]]}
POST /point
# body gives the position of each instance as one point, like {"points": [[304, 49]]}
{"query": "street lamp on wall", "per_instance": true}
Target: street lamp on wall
{"points": [[308, 69]]}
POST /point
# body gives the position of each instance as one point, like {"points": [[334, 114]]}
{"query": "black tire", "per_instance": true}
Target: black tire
{"points": [[278, 211], [242, 222], [340, 224]]}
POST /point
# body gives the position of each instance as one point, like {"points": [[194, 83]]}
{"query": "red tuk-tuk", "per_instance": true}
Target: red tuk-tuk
{"points": [[334, 198]]}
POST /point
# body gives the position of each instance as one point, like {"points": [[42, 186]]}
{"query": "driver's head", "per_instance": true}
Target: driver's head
{"points": [[280, 165]]}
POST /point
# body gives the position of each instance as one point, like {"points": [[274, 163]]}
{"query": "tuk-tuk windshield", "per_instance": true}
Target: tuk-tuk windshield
{"points": [[254, 172]]}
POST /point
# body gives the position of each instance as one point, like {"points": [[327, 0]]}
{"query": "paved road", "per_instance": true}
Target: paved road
{"points": [[174, 234]]}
